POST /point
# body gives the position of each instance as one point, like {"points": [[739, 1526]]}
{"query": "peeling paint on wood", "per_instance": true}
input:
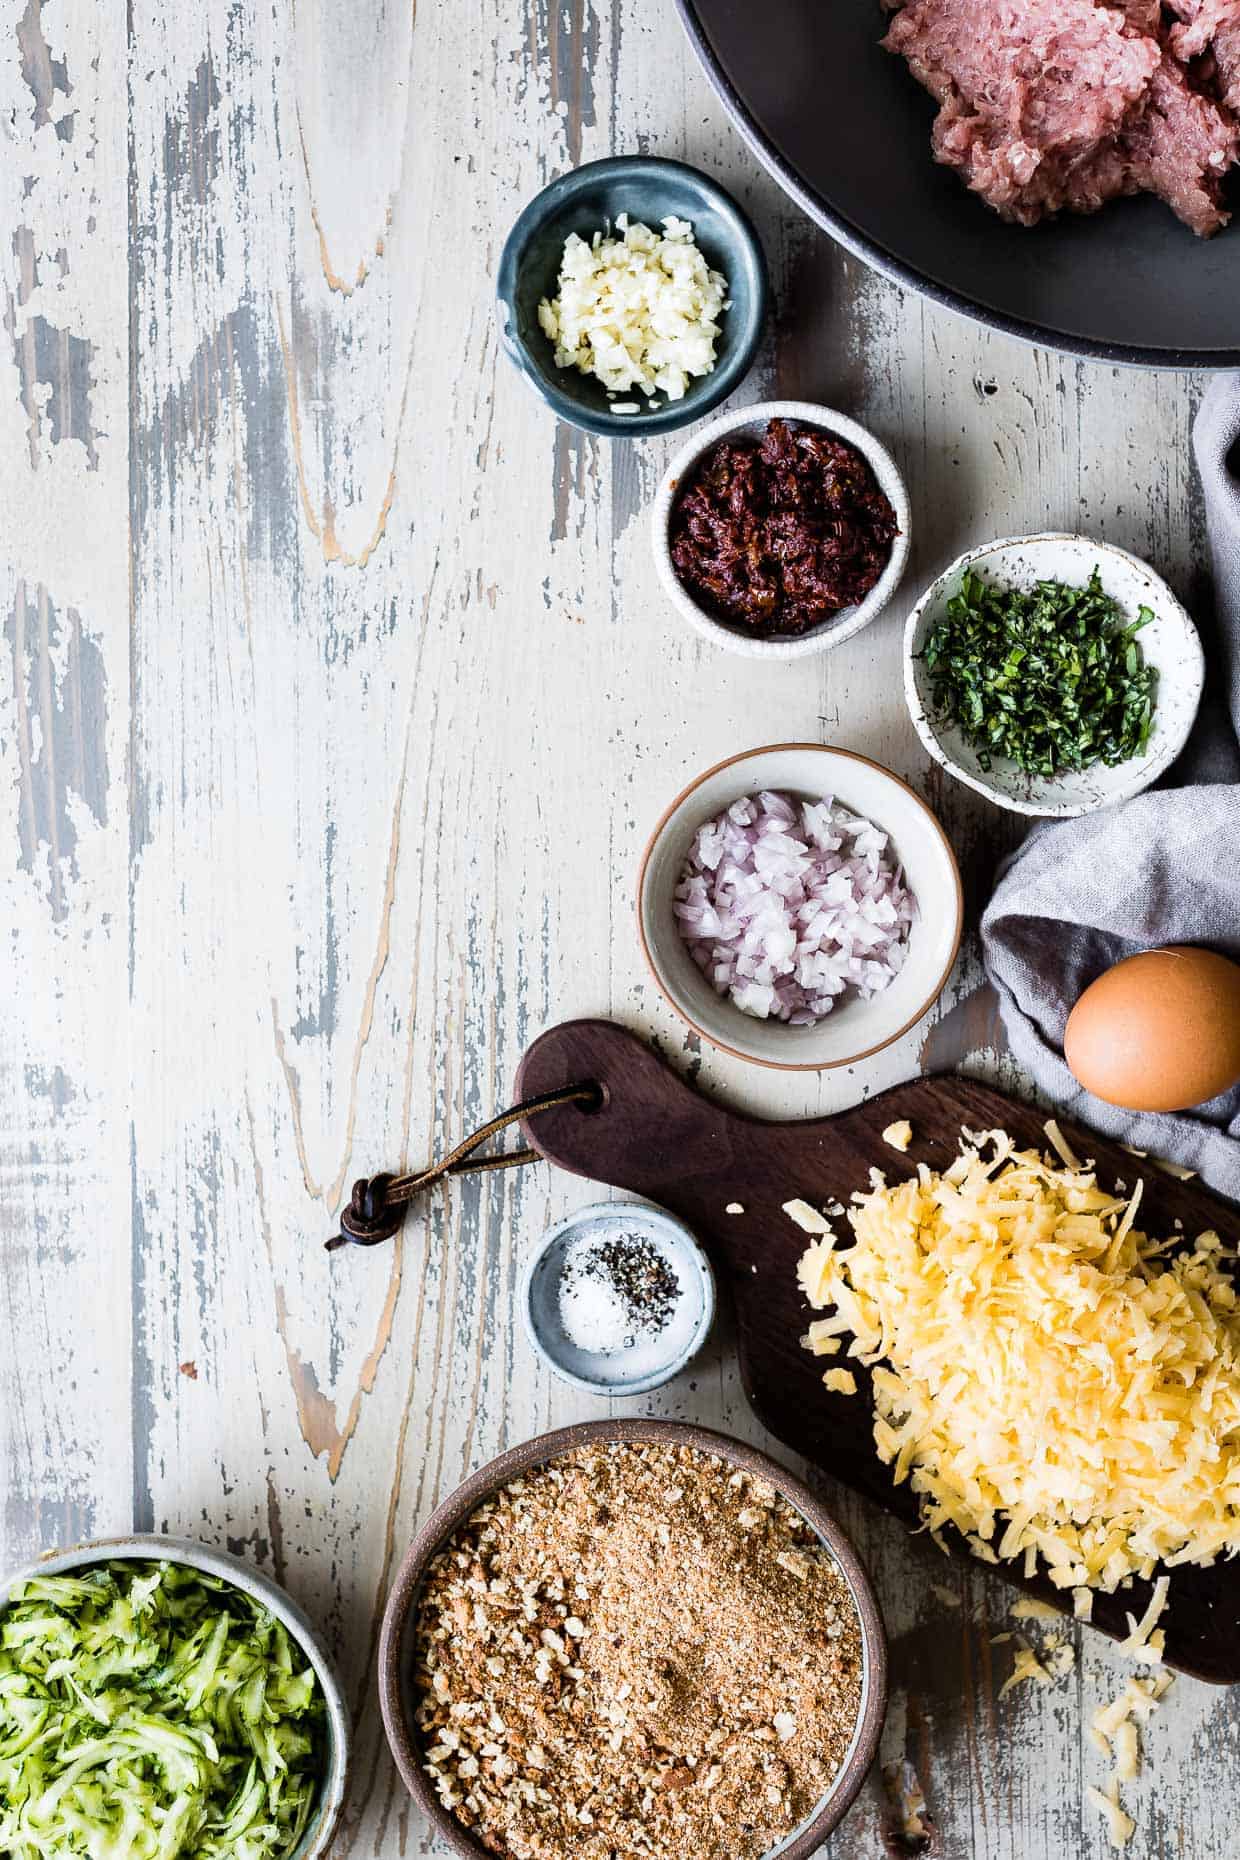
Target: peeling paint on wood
{"points": [[337, 699], [58, 723], [65, 1438]]}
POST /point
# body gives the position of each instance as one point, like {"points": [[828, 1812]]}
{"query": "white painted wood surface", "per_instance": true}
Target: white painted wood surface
{"points": [[336, 701]]}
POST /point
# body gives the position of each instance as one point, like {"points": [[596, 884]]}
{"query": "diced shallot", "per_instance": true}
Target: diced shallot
{"points": [[786, 904]]}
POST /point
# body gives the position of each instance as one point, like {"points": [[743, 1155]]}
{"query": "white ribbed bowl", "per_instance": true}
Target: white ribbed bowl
{"points": [[752, 421]]}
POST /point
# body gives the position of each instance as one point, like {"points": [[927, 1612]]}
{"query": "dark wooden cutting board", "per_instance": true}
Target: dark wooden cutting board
{"points": [[658, 1137]]}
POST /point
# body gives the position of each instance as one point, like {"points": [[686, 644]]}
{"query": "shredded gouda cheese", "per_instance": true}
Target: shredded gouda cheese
{"points": [[842, 1381], [1058, 1657], [1059, 1143], [1114, 1733], [821, 1339], [1048, 1383], [1140, 1633], [1054, 1660], [899, 1134], [1027, 1609], [1127, 1752], [807, 1218], [1025, 1666], [1151, 1654], [1120, 1826]]}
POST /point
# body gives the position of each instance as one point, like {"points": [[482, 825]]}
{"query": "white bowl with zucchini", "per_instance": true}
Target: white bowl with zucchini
{"points": [[1054, 674], [161, 1699]]}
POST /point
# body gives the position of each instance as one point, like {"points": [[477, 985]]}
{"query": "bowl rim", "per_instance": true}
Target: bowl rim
{"points": [[689, 1243], [871, 251], [153, 1547], [828, 633], [800, 1065], [459, 1504], [708, 390], [1145, 770]]}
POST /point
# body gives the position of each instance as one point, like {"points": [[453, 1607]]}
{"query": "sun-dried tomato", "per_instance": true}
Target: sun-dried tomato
{"points": [[774, 536]]}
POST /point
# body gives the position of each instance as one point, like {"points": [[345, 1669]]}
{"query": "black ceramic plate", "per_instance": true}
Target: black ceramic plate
{"points": [[846, 130]]}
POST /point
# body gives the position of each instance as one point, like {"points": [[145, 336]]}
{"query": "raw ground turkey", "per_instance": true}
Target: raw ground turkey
{"points": [[1062, 105]]}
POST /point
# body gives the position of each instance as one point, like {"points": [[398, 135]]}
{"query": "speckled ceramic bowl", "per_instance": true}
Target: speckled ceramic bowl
{"points": [[752, 422], [396, 1639], [1170, 644], [585, 201], [648, 1364], [317, 1838]]}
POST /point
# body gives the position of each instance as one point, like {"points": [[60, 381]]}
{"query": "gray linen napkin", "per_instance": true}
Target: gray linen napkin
{"points": [[1163, 868]]}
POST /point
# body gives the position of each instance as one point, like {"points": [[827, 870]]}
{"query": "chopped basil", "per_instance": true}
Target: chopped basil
{"points": [[149, 1711], [1053, 679]]}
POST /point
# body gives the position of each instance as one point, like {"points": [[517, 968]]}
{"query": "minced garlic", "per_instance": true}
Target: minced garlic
{"points": [[638, 311]]}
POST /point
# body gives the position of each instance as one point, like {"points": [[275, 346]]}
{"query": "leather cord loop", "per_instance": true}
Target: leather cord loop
{"points": [[378, 1204]]}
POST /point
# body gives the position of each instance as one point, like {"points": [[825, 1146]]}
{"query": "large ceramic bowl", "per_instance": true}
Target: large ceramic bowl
{"points": [[396, 1641], [155, 1549], [855, 1028], [751, 422], [1169, 643], [585, 201], [845, 129]]}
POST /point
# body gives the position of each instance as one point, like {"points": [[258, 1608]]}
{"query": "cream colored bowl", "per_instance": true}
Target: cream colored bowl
{"points": [[855, 1028]]}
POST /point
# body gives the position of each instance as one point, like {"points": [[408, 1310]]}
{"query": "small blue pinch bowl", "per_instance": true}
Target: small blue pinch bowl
{"points": [[645, 1365], [589, 200]]}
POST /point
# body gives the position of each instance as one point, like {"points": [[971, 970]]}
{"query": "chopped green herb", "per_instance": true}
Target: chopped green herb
{"points": [[1053, 679], [151, 1712]]}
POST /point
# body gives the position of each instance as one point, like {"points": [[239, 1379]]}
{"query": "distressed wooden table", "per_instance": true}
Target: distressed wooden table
{"points": [[336, 700]]}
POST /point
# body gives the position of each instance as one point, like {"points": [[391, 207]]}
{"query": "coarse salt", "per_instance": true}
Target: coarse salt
{"points": [[615, 1288]]}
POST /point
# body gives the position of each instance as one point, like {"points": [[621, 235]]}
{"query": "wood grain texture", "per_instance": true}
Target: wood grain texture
{"points": [[729, 1178], [337, 698]]}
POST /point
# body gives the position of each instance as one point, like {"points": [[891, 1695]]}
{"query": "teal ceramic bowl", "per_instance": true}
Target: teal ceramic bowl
{"points": [[585, 201]]}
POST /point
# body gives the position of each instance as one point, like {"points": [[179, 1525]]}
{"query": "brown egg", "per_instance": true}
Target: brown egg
{"points": [[1159, 1031]]}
